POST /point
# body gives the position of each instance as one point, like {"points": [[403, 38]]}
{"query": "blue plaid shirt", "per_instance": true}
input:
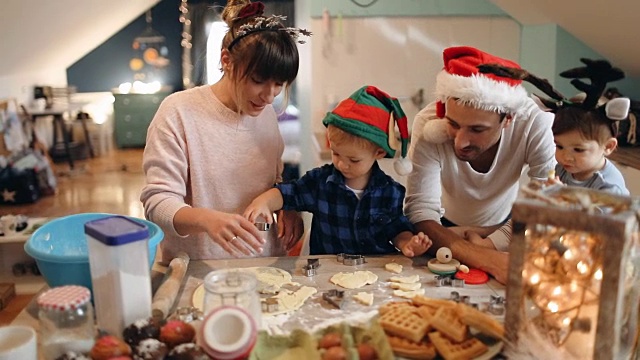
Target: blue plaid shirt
{"points": [[341, 222]]}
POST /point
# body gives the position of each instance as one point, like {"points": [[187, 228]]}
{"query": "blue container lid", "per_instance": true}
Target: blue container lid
{"points": [[116, 230]]}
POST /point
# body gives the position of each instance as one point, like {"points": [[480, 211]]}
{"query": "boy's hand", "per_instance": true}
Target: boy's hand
{"points": [[418, 245], [553, 181], [258, 211]]}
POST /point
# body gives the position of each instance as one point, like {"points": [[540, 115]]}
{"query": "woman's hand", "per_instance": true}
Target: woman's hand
{"points": [[235, 234], [290, 228]]}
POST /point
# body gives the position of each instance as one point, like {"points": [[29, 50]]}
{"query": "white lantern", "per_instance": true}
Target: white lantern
{"points": [[574, 275]]}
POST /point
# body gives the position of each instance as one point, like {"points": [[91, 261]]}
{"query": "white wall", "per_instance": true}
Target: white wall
{"points": [[400, 55], [41, 38]]}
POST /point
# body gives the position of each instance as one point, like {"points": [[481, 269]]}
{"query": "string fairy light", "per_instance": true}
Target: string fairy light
{"points": [[187, 66]]}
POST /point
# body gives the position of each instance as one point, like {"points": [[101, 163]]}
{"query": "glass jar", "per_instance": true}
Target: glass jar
{"points": [[66, 321], [232, 287]]}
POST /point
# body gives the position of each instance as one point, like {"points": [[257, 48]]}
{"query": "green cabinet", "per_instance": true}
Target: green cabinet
{"points": [[133, 114]]}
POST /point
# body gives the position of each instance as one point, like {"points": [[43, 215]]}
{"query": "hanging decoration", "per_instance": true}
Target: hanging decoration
{"points": [[149, 60], [187, 65]]}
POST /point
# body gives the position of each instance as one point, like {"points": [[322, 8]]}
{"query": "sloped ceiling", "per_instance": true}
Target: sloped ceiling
{"points": [[58, 33], [62, 31], [610, 28]]}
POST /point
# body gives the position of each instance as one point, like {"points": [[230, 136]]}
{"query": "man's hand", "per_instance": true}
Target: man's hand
{"points": [[500, 267], [475, 238]]}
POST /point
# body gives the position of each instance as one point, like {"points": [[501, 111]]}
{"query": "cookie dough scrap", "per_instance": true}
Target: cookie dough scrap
{"points": [[270, 279], [364, 298], [406, 286], [405, 279], [354, 280], [293, 300], [393, 267], [408, 294]]}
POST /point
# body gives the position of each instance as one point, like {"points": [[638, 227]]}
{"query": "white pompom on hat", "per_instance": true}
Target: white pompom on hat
{"points": [[461, 79]]}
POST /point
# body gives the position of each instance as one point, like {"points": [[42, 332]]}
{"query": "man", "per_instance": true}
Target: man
{"points": [[468, 151]]}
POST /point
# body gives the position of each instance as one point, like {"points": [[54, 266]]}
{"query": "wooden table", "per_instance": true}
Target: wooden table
{"points": [[60, 130], [316, 312]]}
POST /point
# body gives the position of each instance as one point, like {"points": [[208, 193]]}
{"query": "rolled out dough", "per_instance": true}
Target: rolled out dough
{"points": [[354, 280], [405, 279]]}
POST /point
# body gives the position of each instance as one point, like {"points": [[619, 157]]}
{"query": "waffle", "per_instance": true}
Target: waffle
{"points": [[467, 349], [426, 313], [404, 324], [406, 305], [432, 303], [447, 322], [412, 350], [480, 321]]}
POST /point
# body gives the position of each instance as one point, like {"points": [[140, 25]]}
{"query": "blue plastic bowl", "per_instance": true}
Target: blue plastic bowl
{"points": [[61, 253]]}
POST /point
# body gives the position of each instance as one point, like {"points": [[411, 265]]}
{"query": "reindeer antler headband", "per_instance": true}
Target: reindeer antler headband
{"points": [[600, 72], [261, 23]]}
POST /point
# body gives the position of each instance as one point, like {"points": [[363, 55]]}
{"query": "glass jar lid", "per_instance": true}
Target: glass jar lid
{"points": [[64, 298]]}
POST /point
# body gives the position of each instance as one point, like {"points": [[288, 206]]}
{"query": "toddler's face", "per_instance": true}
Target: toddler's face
{"points": [[579, 156], [352, 160]]}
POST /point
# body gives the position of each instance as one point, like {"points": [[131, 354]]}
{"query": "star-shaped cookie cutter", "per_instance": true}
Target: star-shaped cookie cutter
{"points": [[334, 297], [351, 260]]}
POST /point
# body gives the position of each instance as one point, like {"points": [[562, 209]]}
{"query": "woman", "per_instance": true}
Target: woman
{"points": [[212, 149]]}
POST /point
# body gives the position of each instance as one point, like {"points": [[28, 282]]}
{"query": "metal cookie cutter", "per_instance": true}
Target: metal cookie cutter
{"points": [[352, 260], [334, 297], [263, 226], [311, 268], [270, 305], [496, 305], [444, 280]]}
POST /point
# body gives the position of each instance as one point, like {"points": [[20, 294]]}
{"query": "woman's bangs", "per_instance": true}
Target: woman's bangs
{"points": [[274, 61]]}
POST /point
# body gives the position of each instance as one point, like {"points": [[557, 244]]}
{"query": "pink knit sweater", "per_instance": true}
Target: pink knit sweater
{"points": [[199, 153]]}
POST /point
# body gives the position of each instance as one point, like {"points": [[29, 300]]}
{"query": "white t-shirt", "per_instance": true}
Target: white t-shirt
{"points": [[442, 185]]}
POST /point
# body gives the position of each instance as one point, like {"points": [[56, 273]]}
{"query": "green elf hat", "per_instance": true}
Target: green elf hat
{"points": [[371, 113]]}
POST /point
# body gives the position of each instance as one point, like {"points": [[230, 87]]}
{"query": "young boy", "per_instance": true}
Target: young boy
{"points": [[356, 207]]}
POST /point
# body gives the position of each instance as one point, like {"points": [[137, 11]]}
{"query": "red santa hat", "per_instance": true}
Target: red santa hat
{"points": [[461, 79]]}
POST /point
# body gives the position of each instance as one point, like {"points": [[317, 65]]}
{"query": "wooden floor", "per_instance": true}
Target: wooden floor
{"points": [[110, 183]]}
